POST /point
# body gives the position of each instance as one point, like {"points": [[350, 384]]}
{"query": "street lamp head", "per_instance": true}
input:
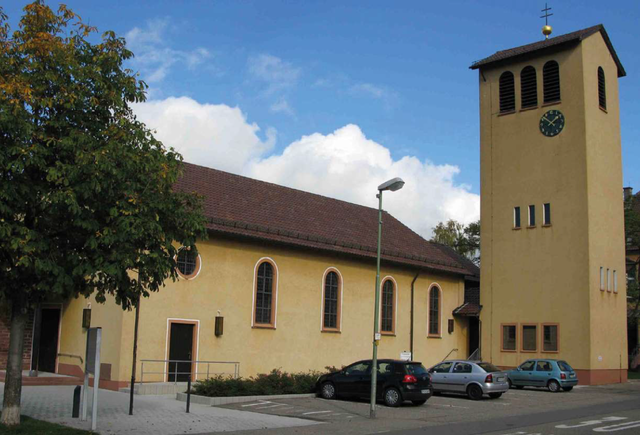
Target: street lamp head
{"points": [[392, 185]]}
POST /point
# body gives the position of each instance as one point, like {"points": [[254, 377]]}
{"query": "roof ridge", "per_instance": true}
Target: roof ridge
{"points": [[255, 180]]}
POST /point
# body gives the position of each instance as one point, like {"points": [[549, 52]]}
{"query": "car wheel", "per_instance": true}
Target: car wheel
{"points": [[495, 395], [567, 388], [392, 397], [328, 391], [474, 392], [419, 402], [553, 386]]}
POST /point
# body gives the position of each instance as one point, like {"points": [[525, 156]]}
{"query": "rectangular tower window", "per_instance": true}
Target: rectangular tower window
{"points": [[532, 215], [615, 281], [608, 280], [550, 338], [529, 338], [547, 214], [516, 217], [509, 338], [602, 278]]}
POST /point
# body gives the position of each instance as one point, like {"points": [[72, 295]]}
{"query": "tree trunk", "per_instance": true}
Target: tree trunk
{"points": [[13, 380]]}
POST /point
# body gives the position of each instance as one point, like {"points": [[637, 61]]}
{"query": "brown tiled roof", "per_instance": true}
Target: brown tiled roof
{"points": [[468, 309], [242, 206], [558, 41]]}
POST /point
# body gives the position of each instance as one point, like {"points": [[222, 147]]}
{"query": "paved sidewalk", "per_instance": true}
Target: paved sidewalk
{"points": [[157, 415]]}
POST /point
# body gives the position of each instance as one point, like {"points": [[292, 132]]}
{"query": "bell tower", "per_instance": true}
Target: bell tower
{"points": [[552, 226]]}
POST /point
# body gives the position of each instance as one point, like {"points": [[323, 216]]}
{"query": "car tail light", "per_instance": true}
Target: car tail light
{"points": [[563, 376], [489, 378], [409, 379]]}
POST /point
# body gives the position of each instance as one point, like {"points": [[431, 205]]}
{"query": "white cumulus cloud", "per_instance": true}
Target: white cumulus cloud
{"points": [[213, 135], [344, 164]]}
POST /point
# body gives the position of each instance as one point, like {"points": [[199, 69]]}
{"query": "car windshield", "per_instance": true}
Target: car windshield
{"points": [[564, 366], [488, 367], [416, 369]]}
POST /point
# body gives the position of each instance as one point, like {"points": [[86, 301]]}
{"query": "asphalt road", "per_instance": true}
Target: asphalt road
{"points": [[592, 410]]}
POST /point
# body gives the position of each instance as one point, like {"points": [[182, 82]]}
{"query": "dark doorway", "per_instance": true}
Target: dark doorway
{"points": [[180, 351], [49, 328], [474, 334]]}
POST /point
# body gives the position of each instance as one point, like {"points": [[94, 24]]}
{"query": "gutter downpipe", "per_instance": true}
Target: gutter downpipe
{"points": [[411, 329]]}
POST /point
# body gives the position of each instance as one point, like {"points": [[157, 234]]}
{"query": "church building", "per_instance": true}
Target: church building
{"points": [[552, 226], [286, 280]]}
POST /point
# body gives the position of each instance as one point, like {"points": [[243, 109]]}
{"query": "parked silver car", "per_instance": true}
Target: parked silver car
{"points": [[469, 377]]}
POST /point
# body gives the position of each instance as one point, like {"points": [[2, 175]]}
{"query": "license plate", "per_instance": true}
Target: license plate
{"points": [[426, 391], [500, 379]]}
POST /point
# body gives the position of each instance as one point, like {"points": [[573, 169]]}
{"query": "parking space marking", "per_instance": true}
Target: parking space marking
{"points": [[272, 406], [257, 404], [315, 412], [449, 406]]}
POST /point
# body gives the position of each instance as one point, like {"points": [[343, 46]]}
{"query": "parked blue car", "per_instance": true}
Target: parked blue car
{"points": [[548, 373]]}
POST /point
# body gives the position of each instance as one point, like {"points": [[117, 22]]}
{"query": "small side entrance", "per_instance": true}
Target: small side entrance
{"points": [[474, 334], [181, 351], [48, 343]]}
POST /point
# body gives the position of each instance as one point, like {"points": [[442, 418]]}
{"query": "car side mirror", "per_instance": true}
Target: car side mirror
{"points": [[432, 371], [519, 369]]}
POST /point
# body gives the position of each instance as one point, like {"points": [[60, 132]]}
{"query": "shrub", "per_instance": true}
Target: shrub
{"points": [[275, 382]]}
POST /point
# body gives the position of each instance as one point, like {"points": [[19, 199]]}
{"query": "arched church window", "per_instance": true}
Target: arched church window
{"points": [[507, 92], [434, 310], [265, 298], [528, 87], [602, 90], [387, 319], [551, 81]]}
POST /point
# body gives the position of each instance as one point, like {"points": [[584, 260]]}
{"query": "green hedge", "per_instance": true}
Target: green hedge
{"points": [[276, 382]]}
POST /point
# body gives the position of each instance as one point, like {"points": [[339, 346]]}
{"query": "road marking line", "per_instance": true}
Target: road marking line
{"points": [[617, 427], [256, 404], [315, 412]]}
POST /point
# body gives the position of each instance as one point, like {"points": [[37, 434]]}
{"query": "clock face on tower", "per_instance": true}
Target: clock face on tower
{"points": [[552, 123]]}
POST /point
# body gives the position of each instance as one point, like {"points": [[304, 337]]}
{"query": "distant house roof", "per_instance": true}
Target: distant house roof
{"points": [[545, 44], [241, 206]]}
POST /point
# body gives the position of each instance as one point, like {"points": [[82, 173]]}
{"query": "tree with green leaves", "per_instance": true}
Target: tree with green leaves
{"points": [[464, 239], [632, 238], [87, 204]]}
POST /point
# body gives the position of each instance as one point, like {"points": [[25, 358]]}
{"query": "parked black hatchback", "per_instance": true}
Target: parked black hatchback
{"points": [[397, 381]]}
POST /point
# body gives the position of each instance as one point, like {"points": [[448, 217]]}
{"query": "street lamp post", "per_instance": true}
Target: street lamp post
{"points": [[392, 185]]}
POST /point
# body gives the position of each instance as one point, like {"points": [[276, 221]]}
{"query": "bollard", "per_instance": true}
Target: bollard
{"points": [[76, 402], [188, 392]]}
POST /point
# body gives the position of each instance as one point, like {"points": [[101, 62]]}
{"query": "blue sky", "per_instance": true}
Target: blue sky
{"points": [[313, 77]]}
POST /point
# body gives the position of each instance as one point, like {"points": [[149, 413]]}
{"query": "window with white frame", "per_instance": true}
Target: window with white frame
{"points": [[602, 278], [615, 281], [608, 280], [532, 215], [546, 216], [516, 217]]}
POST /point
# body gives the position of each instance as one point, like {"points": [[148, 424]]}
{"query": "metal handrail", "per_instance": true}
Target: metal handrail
{"points": [[475, 356], [175, 372], [452, 350]]}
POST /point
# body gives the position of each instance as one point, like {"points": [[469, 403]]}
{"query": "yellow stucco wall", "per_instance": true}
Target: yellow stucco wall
{"points": [[547, 274], [226, 284], [606, 209], [73, 337]]}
